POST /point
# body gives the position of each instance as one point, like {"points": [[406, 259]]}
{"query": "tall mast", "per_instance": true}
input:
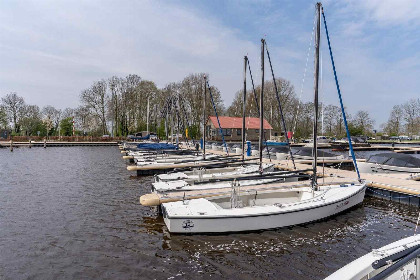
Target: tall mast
{"points": [[243, 110], [317, 40], [204, 117], [261, 105], [147, 118]]}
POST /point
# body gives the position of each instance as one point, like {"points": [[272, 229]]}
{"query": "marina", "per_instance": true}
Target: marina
{"points": [[231, 172], [117, 236]]}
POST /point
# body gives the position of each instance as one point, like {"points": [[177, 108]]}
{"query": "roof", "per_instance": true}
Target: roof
{"points": [[236, 122]]}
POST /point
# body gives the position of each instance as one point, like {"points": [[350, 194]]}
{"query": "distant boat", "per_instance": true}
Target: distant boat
{"points": [[390, 163], [398, 260], [306, 153], [206, 174]]}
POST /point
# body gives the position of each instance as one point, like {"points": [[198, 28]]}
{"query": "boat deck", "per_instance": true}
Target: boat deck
{"points": [[389, 186]]}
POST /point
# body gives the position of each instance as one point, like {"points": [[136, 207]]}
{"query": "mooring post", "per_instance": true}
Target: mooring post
{"points": [[30, 143], [45, 143], [11, 145]]}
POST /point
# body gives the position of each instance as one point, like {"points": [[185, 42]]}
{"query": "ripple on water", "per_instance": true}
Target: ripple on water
{"points": [[73, 213]]}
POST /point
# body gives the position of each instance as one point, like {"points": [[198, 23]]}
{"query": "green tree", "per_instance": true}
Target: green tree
{"points": [[66, 126]]}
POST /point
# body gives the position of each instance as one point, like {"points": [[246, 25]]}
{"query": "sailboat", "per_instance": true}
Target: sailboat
{"points": [[260, 210], [398, 260], [390, 163], [214, 173]]}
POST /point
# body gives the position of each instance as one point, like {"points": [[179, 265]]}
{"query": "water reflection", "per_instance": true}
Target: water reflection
{"points": [[73, 213]]}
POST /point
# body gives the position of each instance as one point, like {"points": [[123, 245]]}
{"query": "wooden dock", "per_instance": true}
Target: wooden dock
{"points": [[388, 186], [6, 144]]}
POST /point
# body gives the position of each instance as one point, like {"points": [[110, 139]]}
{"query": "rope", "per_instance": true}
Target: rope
{"points": [[217, 117], [258, 108], [280, 108], [304, 74], [341, 100]]}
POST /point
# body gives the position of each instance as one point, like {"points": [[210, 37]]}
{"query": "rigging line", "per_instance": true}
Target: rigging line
{"points": [[258, 109], [322, 97], [340, 98], [217, 117], [280, 107], [304, 74]]}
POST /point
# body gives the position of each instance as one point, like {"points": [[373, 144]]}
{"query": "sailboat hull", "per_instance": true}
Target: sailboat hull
{"points": [[211, 220], [367, 167]]}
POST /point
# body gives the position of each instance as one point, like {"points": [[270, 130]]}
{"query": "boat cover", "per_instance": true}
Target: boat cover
{"points": [[394, 159]]}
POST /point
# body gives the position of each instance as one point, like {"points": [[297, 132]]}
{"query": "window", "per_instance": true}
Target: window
{"points": [[227, 132], [257, 131], [238, 131]]}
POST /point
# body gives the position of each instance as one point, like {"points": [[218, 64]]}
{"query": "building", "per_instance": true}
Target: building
{"points": [[232, 128]]}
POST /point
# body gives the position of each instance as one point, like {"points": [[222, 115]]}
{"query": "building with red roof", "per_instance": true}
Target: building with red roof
{"points": [[232, 128]]}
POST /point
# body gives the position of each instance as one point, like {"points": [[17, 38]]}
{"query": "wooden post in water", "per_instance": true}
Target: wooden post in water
{"points": [[11, 144], [315, 130], [30, 143], [261, 105], [45, 143], [204, 117], [243, 110]]}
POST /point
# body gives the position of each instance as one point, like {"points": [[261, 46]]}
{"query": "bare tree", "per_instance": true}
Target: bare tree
{"points": [[49, 112], [412, 116], [14, 105], [394, 125], [96, 99], [31, 119], [363, 121]]}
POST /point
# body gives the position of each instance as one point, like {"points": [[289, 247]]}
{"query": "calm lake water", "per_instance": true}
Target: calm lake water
{"points": [[73, 213]]}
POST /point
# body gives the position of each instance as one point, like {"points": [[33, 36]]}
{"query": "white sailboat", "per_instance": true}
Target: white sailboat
{"points": [[249, 210], [259, 211], [390, 163], [173, 160], [206, 174], [395, 261]]}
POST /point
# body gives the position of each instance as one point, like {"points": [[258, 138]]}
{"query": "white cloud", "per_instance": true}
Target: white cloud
{"points": [[390, 11], [66, 47]]}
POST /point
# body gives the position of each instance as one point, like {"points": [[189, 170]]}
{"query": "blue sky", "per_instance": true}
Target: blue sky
{"points": [[51, 50]]}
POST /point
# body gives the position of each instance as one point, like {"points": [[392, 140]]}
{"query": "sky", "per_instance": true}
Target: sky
{"points": [[51, 50]]}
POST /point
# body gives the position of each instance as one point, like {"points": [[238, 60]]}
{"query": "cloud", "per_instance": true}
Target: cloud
{"points": [[65, 47]]}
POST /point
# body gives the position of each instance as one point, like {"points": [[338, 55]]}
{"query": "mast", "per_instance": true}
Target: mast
{"points": [[317, 40], [261, 105], [147, 119], [204, 117], [243, 110]]}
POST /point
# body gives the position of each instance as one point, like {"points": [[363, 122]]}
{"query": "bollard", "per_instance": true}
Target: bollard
{"points": [[248, 148], [30, 143], [45, 143], [11, 145]]}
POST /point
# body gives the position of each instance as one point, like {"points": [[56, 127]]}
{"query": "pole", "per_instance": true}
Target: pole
{"points": [[243, 110], [204, 117], [147, 117], [166, 122], [261, 105], [314, 152]]}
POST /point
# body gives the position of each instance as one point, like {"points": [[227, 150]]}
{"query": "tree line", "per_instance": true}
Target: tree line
{"points": [[117, 106]]}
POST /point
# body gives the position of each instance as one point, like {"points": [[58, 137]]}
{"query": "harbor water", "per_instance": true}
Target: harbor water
{"points": [[73, 213]]}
